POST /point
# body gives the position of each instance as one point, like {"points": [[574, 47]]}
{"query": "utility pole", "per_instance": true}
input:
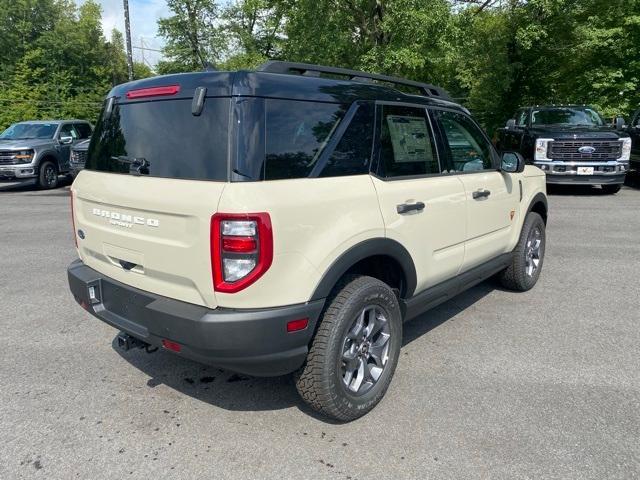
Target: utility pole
{"points": [[127, 34], [142, 48]]}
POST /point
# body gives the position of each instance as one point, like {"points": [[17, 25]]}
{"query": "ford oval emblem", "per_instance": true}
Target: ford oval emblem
{"points": [[588, 149]]}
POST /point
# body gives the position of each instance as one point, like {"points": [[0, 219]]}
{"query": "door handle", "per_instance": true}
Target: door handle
{"points": [[481, 194], [408, 207]]}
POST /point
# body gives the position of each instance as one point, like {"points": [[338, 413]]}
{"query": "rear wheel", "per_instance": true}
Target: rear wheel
{"points": [[355, 351], [528, 256], [48, 177], [611, 189]]}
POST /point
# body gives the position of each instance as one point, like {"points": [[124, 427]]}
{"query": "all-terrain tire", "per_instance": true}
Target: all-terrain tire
{"points": [[48, 175], [519, 275], [320, 381]]}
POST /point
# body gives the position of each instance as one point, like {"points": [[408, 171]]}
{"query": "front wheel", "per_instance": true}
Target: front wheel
{"points": [[48, 177], [528, 256], [355, 350]]}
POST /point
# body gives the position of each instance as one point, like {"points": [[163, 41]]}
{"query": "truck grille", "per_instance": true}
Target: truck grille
{"points": [[79, 157], [569, 150], [7, 158]]}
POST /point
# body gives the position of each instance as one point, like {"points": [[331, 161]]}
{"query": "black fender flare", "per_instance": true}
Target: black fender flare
{"points": [[360, 251], [52, 154], [539, 198]]}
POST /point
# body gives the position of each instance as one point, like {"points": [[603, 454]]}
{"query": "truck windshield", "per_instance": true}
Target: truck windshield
{"points": [[162, 138], [23, 131], [575, 116]]}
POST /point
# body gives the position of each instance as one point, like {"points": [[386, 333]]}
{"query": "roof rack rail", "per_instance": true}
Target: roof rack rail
{"points": [[310, 70]]}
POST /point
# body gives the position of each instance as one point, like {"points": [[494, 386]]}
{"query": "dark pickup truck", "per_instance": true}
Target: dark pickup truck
{"points": [[572, 144], [633, 128]]}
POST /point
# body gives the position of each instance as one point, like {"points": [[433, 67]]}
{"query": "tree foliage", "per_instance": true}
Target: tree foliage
{"points": [[55, 60], [492, 55]]}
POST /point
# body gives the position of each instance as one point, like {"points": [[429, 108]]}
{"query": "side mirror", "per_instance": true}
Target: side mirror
{"points": [[511, 123], [66, 140], [620, 123], [512, 162]]}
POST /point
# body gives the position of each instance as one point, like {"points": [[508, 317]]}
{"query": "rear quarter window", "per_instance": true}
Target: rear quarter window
{"points": [[296, 134], [352, 154]]}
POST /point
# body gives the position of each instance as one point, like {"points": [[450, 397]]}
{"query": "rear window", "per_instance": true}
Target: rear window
{"points": [[165, 138]]}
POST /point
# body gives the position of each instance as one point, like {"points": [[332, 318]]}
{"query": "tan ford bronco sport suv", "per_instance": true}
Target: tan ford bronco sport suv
{"points": [[283, 221]]}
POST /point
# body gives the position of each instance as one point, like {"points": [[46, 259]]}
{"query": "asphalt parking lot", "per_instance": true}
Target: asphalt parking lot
{"points": [[493, 384]]}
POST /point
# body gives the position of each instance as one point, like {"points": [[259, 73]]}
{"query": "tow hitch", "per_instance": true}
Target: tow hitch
{"points": [[126, 342]]}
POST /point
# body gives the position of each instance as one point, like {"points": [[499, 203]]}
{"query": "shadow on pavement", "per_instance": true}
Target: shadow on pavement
{"points": [[581, 190], [31, 186], [235, 392]]}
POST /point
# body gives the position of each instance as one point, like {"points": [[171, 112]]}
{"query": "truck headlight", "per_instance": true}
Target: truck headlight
{"points": [[542, 147], [626, 150], [23, 156]]}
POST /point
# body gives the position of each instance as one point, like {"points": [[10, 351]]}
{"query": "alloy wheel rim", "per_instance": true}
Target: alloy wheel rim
{"points": [[49, 175], [365, 351], [533, 252]]}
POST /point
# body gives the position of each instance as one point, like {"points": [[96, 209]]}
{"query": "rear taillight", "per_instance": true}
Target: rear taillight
{"points": [[241, 249], [73, 222]]}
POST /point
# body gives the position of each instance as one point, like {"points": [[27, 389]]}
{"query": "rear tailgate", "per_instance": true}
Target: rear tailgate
{"points": [[156, 167], [150, 233]]}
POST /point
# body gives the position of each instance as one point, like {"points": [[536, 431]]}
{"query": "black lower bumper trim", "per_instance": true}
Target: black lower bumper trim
{"points": [[585, 179], [253, 342]]}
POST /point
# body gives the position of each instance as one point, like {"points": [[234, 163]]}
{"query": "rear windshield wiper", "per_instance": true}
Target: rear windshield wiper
{"points": [[140, 164]]}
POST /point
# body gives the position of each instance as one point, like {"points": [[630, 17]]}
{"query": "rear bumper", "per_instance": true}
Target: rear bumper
{"points": [[254, 342]]}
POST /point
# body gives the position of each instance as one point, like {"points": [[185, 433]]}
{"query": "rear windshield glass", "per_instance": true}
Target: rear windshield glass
{"points": [[163, 138]]}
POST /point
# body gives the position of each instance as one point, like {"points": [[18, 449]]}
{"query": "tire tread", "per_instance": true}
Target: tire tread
{"points": [[312, 383]]}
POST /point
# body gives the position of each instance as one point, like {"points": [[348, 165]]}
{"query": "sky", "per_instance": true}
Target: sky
{"points": [[144, 15]]}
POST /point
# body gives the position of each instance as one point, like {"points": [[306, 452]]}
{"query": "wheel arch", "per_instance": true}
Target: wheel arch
{"points": [[49, 155], [539, 205], [378, 257]]}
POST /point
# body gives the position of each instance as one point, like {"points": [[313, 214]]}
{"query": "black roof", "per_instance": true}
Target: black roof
{"points": [[269, 84]]}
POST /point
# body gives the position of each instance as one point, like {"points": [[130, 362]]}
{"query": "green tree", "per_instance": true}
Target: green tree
{"points": [[63, 70], [254, 32], [193, 38], [21, 24]]}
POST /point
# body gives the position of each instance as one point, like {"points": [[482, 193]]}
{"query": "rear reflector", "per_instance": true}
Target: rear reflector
{"points": [[153, 92], [297, 325], [173, 346]]}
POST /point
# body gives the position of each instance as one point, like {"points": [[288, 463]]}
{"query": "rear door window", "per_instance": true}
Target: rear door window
{"points": [[165, 134], [296, 134], [407, 144]]}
